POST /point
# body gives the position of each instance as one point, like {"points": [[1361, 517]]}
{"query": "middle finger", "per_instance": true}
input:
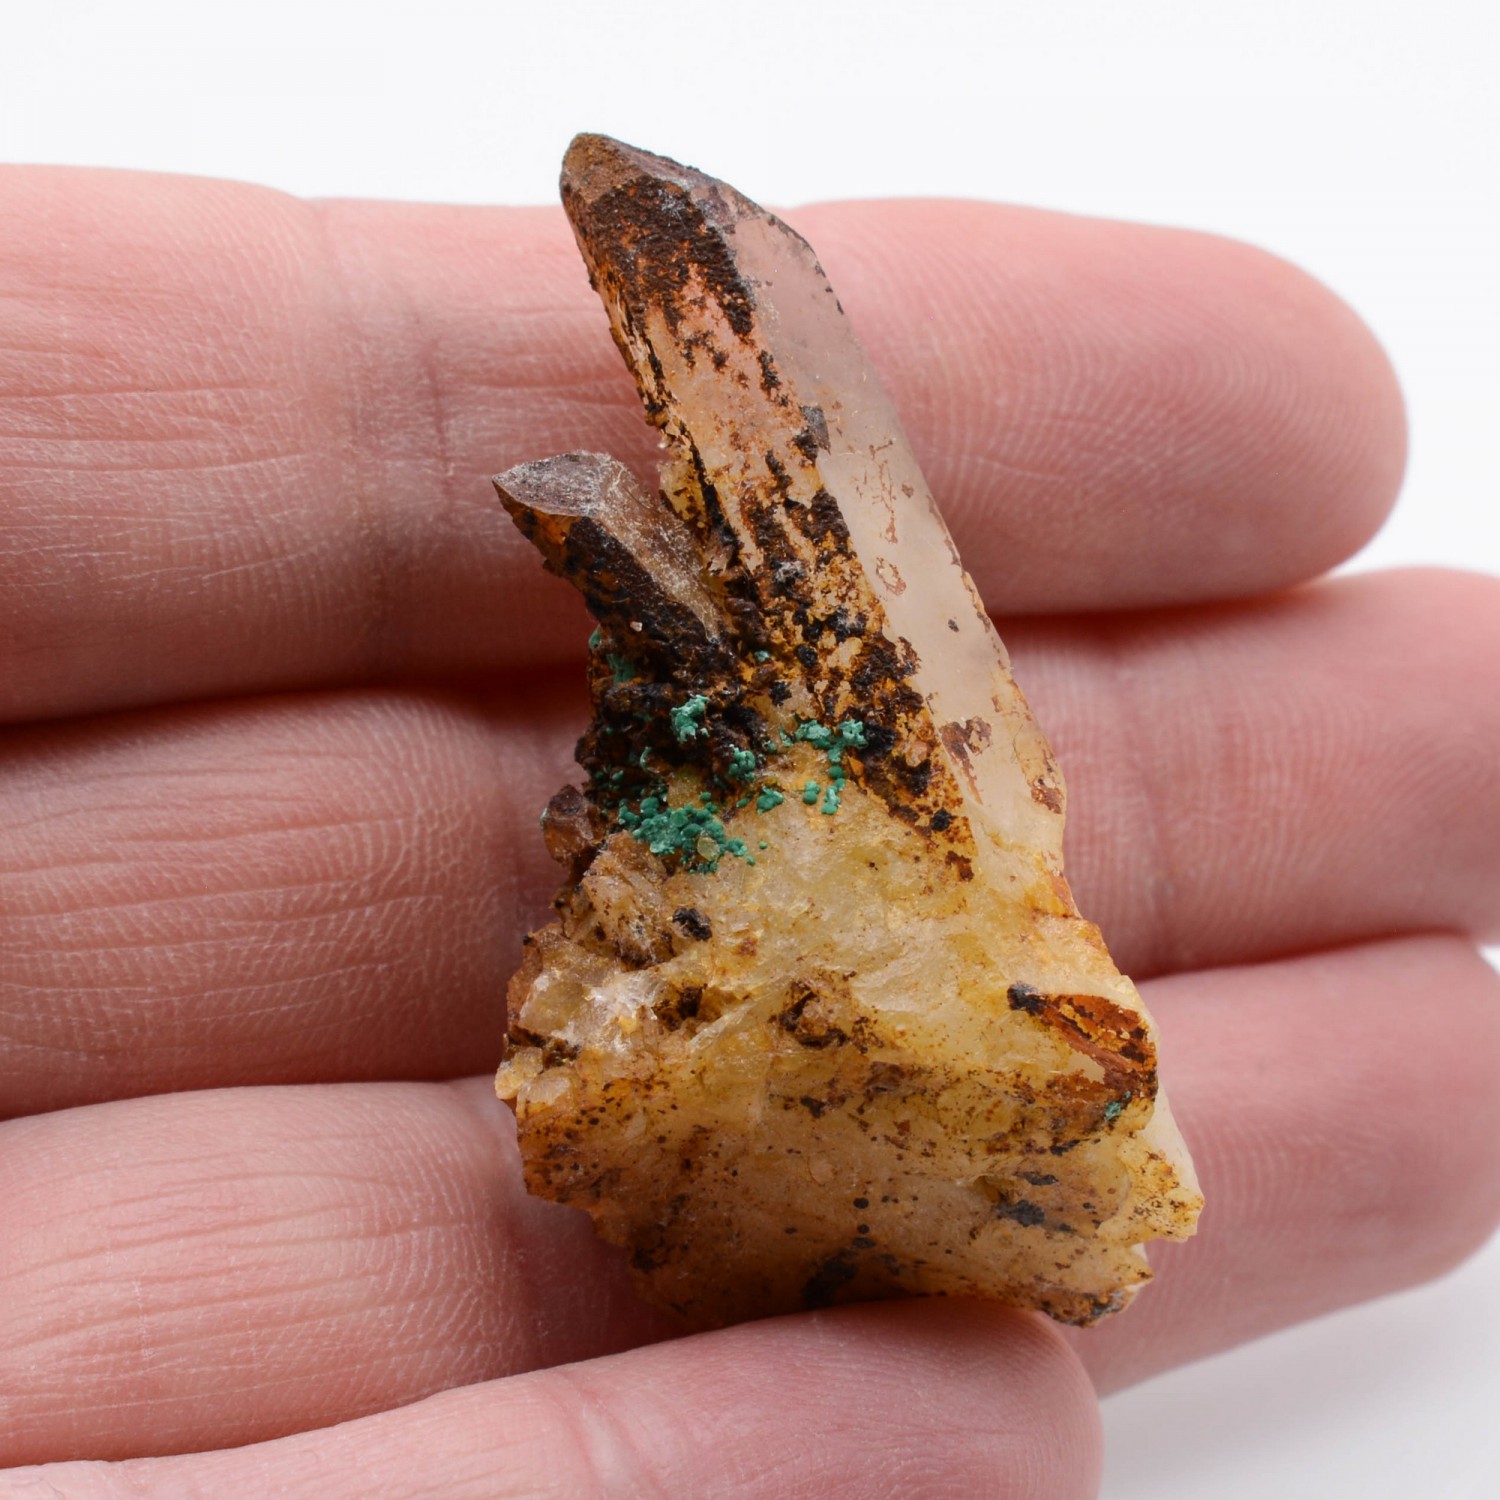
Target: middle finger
{"points": [[334, 887]]}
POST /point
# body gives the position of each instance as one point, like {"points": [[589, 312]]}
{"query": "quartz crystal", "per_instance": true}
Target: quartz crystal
{"points": [[818, 1019]]}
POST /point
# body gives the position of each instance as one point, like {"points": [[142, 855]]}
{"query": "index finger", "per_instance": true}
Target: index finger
{"points": [[244, 440]]}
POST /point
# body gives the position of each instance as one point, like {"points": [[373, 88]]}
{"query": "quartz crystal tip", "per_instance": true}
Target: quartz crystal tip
{"points": [[595, 164]]}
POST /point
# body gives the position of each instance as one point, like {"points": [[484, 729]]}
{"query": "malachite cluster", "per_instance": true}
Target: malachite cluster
{"points": [[832, 741], [687, 718], [695, 831]]}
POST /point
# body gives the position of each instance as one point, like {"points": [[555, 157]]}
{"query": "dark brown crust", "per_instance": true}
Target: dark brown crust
{"points": [[665, 250]]}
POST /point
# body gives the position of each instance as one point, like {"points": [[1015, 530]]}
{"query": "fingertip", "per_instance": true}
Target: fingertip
{"points": [[1180, 415], [1320, 392]]}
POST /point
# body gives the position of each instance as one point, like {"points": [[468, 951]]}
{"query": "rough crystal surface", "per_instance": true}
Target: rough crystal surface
{"points": [[818, 1019]]}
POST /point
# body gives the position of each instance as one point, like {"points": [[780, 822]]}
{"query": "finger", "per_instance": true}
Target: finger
{"points": [[336, 886], [1110, 413], [1342, 1110], [932, 1401], [370, 1243], [267, 891], [1316, 769], [244, 440]]}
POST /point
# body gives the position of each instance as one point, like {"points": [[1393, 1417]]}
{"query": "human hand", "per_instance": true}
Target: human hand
{"points": [[285, 693]]}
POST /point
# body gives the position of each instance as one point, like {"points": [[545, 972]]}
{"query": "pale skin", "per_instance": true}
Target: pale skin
{"points": [[283, 693]]}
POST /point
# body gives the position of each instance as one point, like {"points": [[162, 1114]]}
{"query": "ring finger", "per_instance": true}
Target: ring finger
{"points": [[381, 1234]]}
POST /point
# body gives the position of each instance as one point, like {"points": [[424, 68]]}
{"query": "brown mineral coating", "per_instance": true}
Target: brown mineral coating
{"points": [[816, 1048], [635, 563]]}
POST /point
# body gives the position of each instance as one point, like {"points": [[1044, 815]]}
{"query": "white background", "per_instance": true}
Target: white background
{"points": [[1361, 140]]}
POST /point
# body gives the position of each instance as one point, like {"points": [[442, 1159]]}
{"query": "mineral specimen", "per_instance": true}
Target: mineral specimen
{"points": [[818, 1019]]}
